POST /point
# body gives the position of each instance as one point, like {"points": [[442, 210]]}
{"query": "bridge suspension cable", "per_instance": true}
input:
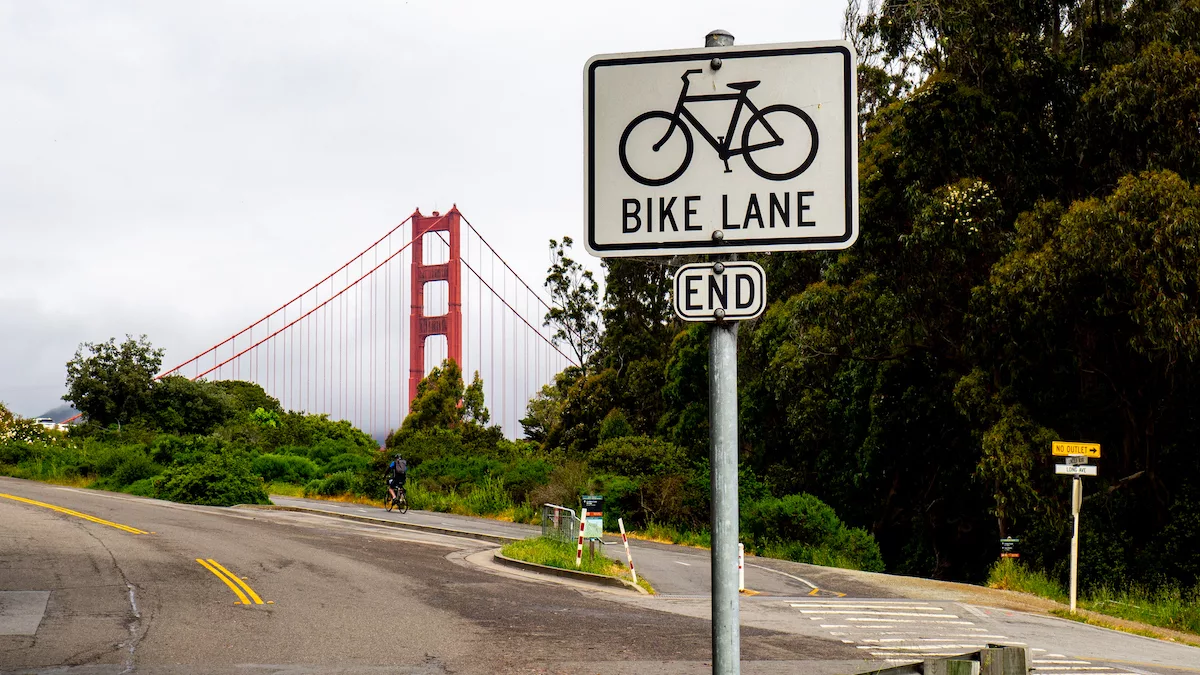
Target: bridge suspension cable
{"points": [[341, 347]]}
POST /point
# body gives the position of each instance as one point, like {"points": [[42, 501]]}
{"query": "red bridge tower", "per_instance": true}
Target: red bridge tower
{"points": [[448, 324]]}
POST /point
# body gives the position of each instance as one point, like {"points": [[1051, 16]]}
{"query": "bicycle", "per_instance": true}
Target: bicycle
{"points": [[722, 144], [399, 501]]}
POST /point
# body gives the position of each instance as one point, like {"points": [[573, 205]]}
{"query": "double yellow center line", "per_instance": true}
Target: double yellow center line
{"points": [[234, 582], [77, 514]]}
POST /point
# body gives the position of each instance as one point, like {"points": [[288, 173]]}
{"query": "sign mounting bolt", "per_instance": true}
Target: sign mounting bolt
{"points": [[719, 268], [719, 313], [715, 64], [718, 235]]}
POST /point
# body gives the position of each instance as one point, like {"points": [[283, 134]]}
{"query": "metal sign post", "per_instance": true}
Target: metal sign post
{"points": [[1076, 466], [1076, 503], [780, 175], [723, 433]]}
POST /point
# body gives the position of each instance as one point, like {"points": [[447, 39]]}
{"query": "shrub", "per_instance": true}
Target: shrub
{"points": [[221, 479], [285, 468], [180, 451], [802, 528], [325, 450], [488, 498], [340, 483], [15, 452], [795, 518], [418, 447], [455, 472], [567, 482], [638, 456], [524, 475], [141, 488], [348, 462], [136, 467]]}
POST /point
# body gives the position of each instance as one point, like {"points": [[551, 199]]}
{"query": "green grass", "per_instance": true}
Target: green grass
{"points": [[1166, 607], [667, 534], [1010, 575], [554, 553], [285, 489]]}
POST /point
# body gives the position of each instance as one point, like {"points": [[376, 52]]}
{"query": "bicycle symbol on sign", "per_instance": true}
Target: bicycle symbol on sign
{"points": [[647, 125]]}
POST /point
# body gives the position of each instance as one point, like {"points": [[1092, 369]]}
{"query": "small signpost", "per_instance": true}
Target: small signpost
{"points": [[721, 150], [1008, 548], [593, 506], [1076, 456]]}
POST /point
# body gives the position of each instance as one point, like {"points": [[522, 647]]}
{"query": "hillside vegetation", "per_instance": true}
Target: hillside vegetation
{"points": [[1026, 272]]}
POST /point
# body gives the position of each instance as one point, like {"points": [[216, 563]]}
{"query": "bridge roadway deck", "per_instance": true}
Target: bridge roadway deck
{"points": [[351, 597]]}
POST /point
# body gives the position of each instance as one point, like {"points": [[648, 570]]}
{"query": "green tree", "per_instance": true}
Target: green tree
{"points": [[179, 405], [248, 396], [112, 384], [574, 295], [437, 404], [473, 403]]}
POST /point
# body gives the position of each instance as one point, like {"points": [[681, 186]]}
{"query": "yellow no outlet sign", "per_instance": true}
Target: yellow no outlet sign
{"points": [[1069, 448]]}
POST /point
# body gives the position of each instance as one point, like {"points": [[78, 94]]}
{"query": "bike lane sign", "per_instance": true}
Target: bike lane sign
{"points": [[721, 150]]}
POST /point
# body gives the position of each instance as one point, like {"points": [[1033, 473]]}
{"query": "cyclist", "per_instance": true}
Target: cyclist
{"points": [[397, 473]]}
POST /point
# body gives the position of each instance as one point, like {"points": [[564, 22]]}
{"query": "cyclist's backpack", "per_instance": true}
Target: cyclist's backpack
{"points": [[402, 466]]}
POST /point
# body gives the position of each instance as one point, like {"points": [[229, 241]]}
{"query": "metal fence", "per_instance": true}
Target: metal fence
{"points": [[559, 523]]}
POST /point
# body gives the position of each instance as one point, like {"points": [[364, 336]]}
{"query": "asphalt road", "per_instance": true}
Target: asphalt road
{"points": [[342, 596], [674, 570]]}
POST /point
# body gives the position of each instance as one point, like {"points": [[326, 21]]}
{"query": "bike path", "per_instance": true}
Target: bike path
{"points": [[673, 570]]}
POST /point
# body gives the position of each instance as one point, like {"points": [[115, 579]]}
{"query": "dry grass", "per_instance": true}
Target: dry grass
{"points": [[1093, 620], [70, 481]]}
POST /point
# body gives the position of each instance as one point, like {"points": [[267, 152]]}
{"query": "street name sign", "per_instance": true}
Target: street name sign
{"points": [[720, 150], [1067, 448], [722, 291], [1075, 469], [1073, 460]]}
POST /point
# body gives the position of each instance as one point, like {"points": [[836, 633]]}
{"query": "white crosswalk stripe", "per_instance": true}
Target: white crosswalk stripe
{"points": [[902, 632]]}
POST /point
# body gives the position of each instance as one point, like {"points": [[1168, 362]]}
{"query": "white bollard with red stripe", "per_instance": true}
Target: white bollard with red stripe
{"points": [[741, 566], [579, 551], [628, 555]]}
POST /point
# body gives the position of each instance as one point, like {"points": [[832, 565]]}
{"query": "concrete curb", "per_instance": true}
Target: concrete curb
{"points": [[432, 529], [569, 574]]}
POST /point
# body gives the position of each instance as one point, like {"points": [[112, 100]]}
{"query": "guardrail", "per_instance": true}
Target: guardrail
{"points": [[559, 522], [992, 660]]}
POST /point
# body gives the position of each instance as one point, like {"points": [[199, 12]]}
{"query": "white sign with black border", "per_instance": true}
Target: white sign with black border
{"points": [[721, 291], [717, 150], [1075, 469]]}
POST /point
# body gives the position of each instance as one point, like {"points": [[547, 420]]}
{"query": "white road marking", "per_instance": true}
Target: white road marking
{"points": [[870, 613], [979, 613], [906, 659], [1059, 661], [901, 632], [939, 621], [683, 563], [790, 576], [865, 605], [917, 647]]}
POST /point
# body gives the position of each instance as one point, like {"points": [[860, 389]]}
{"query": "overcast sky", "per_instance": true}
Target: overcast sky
{"points": [[180, 169]]}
